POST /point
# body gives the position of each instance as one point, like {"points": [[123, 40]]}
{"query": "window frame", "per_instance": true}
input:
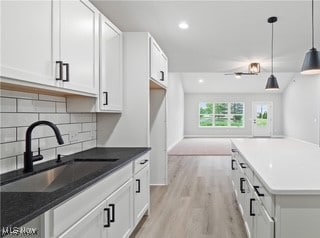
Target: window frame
{"points": [[229, 115]]}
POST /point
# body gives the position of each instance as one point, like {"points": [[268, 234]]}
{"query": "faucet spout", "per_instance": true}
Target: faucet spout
{"points": [[28, 155]]}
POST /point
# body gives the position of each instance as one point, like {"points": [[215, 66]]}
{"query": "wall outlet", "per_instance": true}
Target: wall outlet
{"points": [[73, 136]]}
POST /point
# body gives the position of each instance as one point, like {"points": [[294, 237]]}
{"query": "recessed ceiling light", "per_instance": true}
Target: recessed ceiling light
{"points": [[183, 25], [200, 81]]}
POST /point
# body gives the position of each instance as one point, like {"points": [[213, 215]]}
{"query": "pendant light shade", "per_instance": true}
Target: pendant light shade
{"points": [[311, 63], [272, 83]]}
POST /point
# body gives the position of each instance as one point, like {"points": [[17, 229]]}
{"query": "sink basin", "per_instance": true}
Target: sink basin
{"points": [[95, 160], [58, 177]]}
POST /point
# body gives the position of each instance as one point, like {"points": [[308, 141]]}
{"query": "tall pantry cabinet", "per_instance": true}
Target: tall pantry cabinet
{"points": [[143, 120]]}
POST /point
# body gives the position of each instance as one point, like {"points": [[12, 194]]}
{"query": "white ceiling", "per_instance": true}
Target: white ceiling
{"points": [[224, 36]]}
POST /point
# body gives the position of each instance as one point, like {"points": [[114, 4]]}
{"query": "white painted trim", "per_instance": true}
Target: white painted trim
{"points": [[217, 136], [173, 145]]}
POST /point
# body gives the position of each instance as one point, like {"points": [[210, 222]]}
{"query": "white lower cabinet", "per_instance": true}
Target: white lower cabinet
{"points": [[263, 223], [251, 199], [120, 212], [91, 225], [141, 194], [111, 208], [111, 218]]}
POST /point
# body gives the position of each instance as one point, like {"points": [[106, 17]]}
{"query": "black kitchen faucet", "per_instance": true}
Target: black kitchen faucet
{"points": [[28, 155]]}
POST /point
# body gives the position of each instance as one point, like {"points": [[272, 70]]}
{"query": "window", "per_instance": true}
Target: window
{"points": [[221, 114]]}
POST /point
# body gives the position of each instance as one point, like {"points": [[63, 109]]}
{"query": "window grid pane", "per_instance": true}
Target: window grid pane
{"points": [[221, 115]]}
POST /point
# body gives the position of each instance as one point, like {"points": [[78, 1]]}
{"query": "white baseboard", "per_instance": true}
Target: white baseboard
{"points": [[217, 136], [171, 146]]}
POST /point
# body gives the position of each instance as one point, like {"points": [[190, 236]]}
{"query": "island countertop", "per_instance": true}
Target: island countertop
{"points": [[284, 166]]}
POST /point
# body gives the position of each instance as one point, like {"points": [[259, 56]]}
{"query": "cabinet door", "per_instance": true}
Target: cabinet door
{"points": [[120, 204], [155, 54], [110, 97], [164, 69], [141, 194], [263, 223], [78, 41], [27, 43], [91, 225]]}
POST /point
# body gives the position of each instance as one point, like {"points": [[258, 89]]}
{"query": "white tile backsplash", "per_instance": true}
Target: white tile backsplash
{"points": [[52, 98], [51, 142], [58, 118], [8, 105], [17, 119], [15, 148], [81, 117], [69, 149], [8, 135], [20, 109], [25, 105], [89, 144], [8, 164], [61, 107], [16, 94]]}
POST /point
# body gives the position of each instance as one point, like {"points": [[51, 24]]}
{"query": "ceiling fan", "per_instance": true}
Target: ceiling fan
{"points": [[253, 69]]}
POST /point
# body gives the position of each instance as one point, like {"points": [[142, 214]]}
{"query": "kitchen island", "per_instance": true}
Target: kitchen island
{"points": [[277, 185]]}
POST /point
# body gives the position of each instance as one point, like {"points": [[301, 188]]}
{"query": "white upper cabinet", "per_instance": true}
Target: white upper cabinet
{"points": [[79, 22], [27, 43], [51, 43], [110, 98], [158, 64]]}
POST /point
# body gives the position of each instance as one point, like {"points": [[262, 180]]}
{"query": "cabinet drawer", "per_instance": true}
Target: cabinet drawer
{"points": [[266, 198], [245, 167], [141, 162], [66, 214]]}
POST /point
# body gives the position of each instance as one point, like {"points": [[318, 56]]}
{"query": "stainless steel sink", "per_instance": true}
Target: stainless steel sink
{"points": [[58, 177]]}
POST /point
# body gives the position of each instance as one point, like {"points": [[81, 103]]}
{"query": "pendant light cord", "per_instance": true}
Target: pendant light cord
{"points": [[312, 24], [272, 50]]}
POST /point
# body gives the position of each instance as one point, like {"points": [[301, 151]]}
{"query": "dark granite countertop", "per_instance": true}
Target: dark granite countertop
{"points": [[18, 208]]}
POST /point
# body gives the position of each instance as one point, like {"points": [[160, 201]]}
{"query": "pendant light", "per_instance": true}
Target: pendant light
{"points": [[272, 83], [311, 63]]}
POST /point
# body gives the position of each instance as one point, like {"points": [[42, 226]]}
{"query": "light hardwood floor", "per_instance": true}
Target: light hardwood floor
{"points": [[198, 202]]}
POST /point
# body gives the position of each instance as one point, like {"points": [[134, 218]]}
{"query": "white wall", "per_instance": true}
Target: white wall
{"points": [[301, 104], [191, 115], [19, 110], [175, 99]]}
